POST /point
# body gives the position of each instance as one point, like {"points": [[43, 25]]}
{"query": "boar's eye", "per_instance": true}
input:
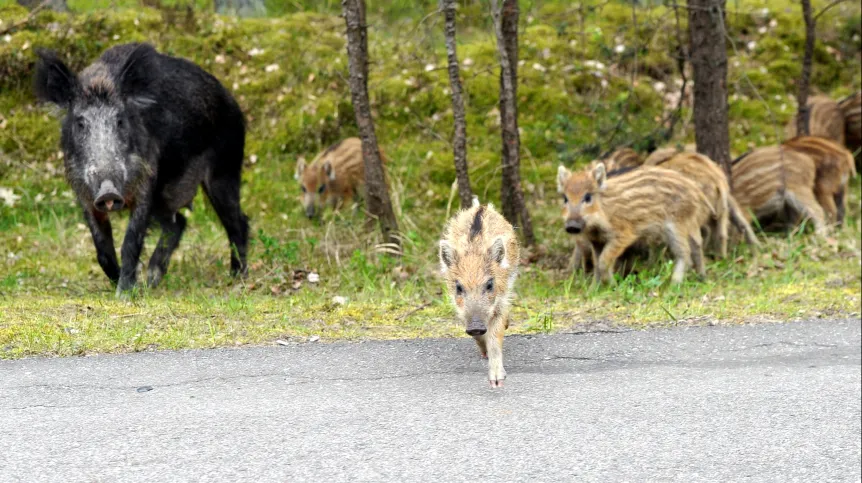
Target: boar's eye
{"points": [[565, 199], [489, 286], [321, 189], [120, 123], [80, 123], [588, 198], [459, 289]]}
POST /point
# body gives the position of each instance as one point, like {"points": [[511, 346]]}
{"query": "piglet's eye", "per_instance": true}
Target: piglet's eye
{"points": [[322, 188], [302, 188], [489, 286], [588, 198], [565, 199], [459, 289]]}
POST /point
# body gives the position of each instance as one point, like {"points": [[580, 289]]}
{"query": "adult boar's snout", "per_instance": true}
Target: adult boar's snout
{"points": [[108, 198], [574, 226]]}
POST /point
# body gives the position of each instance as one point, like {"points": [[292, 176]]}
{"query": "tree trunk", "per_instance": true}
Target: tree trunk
{"points": [[708, 55], [459, 139], [377, 198], [512, 197], [58, 5], [242, 8], [805, 78]]}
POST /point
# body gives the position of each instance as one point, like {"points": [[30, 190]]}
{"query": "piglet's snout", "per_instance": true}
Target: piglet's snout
{"points": [[574, 226], [476, 327], [108, 198]]}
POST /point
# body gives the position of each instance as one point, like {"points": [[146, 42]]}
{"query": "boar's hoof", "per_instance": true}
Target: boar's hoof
{"points": [[154, 276], [496, 383]]}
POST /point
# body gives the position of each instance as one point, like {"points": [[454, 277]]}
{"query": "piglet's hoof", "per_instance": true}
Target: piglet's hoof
{"points": [[483, 356]]}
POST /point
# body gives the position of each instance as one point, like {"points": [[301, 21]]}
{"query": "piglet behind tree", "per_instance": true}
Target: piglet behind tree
{"points": [[142, 131]]}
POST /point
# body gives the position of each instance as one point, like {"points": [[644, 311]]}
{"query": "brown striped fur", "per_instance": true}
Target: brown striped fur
{"points": [[623, 158], [663, 154], [825, 120], [336, 174], [835, 167], [649, 204], [479, 258], [713, 182], [776, 183], [851, 108]]}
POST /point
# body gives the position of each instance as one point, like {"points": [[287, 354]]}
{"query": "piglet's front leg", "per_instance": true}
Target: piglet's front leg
{"points": [[494, 343]]}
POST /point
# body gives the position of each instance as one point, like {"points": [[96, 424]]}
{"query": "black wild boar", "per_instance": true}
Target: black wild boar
{"points": [[142, 131]]}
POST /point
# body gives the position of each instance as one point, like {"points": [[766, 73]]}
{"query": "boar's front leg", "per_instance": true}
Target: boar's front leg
{"points": [[172, 231], [134, 242], [103, 239]]}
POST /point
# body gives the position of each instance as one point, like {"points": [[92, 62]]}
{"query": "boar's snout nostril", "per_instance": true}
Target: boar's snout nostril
{"points": [[309, 212], [574, 227], [476, 331], [108, 198]]}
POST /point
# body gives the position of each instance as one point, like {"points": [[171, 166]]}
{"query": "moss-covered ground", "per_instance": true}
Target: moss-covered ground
{"points": [[289, 74]]}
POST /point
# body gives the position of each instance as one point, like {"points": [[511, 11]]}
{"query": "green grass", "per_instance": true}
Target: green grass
{"points": [[54, 299]]}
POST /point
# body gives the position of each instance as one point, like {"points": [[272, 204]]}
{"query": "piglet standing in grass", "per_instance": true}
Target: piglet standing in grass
{"points": [[142, 131], [479, 258]]}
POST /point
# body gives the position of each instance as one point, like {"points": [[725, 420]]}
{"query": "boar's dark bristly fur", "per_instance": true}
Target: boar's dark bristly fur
{"points": [[142, 131]]}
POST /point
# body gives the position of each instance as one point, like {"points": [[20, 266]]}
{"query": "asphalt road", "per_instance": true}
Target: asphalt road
{"points": [[757, 403]]}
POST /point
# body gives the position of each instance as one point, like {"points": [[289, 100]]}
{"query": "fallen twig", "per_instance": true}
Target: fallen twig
{"points": [[26, 19], [417, 309]]}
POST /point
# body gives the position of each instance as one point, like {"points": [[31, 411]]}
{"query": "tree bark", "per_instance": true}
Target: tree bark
{"points": [[805, 77], [708, 54], [58, 5], [512, 197], [377, 197], [459, 138]]}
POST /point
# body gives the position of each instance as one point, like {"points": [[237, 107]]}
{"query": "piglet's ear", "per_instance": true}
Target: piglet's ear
{"points": [[54, 82], [448, 256], [497, 252], [600, 175], [563, 175], [330, 173], [300, 168], [138, 76]]}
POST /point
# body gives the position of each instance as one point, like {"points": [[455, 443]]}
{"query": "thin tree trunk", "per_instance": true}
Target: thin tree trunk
{"points": [[512, 197], [459, 139], [377, 198], [708, 55], [805, 78]]}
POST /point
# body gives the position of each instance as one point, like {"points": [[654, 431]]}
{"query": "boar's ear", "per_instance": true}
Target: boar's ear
{"points": [[138, 75], [448, 256], [562, 176], [600, 175], [475, 201], [330, 173], [300, 168], [54, 82], [497, 252]]}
